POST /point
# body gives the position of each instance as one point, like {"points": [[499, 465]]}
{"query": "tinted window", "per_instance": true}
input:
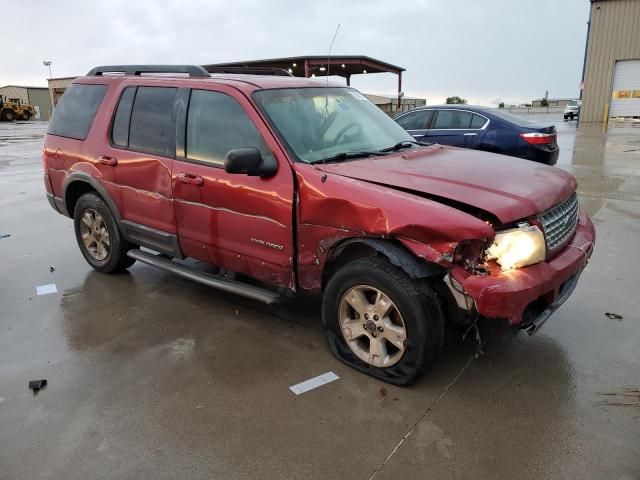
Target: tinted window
{"points": [[152, 126], [417, 120], [452, 119], [477, 121], [76, 110], [120, 130], [217, 124], [515, 119]]}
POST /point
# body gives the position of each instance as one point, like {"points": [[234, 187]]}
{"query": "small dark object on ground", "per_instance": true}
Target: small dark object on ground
{"points": [[52, 268], [4, 235], [37, 385], [613, 316], [383, 392]]}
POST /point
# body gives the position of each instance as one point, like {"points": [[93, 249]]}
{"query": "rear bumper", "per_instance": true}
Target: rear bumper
{"points": [[544, 155], [528, 296]]}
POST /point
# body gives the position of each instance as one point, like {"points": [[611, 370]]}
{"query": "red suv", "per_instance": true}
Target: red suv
{"points": [[295, 186]]}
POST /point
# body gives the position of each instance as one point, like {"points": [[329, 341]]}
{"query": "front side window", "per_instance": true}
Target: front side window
{"points": [[417, 120], [216, 124], [153, 126], [74, 113], [318, 123], [452, 120]]}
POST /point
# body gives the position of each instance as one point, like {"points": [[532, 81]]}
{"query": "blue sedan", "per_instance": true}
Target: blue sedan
{"points": [[481, 128]]}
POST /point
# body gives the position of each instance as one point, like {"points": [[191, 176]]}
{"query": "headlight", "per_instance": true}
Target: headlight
{"points": [[518, 247]]}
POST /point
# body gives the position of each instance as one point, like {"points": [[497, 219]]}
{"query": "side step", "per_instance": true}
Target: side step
{"points": [[224, 284]]}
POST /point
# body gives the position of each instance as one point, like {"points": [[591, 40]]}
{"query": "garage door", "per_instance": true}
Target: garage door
{"points": [[625, 99]]}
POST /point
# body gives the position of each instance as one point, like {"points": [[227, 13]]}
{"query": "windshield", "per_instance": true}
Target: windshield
{"points": [[573, 103], [320, 123]]}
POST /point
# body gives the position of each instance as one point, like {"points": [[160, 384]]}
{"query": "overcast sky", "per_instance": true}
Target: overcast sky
{"points": [[481, 50]]}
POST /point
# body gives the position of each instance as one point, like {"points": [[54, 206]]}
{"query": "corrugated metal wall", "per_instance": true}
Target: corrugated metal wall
{"points": [[614, 34]]}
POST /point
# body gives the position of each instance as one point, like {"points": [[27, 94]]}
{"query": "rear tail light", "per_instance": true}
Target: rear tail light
{"points": [[537, 138]]}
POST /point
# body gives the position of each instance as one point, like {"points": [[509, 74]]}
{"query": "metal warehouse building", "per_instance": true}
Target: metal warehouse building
{"points": [[36, 96], [611, 75]]}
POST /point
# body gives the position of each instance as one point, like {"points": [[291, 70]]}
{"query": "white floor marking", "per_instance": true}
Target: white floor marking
{"points": [[314, 382], [45, 289]]}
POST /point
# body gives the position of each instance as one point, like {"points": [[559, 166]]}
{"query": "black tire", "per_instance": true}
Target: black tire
{"points": [[116, 259], [566, 117], [8, 115], [26, 116], [416, 303]]}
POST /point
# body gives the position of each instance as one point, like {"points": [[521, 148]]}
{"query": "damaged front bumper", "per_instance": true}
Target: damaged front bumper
{"points": [[526, 297]]}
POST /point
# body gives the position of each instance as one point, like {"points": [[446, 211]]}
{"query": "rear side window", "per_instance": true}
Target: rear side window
{"points": [[452, 120], [216, 124], [153, 127], [418, 120], [76, 110], [120, 129], [477, 121]]}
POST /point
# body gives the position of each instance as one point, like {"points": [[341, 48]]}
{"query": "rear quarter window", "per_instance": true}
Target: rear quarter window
{"points": [[74, 114]]}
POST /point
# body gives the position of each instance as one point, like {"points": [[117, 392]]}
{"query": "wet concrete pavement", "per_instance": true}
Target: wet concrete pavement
{"points": [[151, 376]]}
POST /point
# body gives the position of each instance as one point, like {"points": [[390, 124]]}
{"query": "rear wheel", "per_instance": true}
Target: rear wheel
{"points": [[379, 321], [8, 115], [99, 237], [566, 117]]}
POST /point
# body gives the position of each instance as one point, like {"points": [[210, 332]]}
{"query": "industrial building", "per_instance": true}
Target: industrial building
{"points": [[36, 96], [611, 74]]}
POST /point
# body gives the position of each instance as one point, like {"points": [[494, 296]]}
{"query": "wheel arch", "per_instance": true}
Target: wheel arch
{"points": [[399, 255], [80, 183]]}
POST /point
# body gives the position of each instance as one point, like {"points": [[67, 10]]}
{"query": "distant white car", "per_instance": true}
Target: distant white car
{"points": [[572, 110]]}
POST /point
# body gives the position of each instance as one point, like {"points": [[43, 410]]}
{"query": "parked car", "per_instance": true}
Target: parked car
{"points": [[480, 128], [307, 188], [572, 110]]}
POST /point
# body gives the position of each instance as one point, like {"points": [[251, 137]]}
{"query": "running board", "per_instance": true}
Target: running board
{"points": [[224, 284]]}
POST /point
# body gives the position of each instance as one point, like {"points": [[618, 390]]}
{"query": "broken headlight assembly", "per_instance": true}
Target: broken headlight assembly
{"points": [[518, 247]]}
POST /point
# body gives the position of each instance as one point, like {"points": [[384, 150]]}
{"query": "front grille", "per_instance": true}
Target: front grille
{"points": [[559, 223]]}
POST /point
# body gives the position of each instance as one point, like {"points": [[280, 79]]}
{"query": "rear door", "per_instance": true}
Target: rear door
{"points": [[416, 122], [235, 221], [456, 127], [142, 148]]}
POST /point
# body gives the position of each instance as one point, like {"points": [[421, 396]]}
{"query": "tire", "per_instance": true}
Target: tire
{"points": [[26, 116], [414, 309], [8, 115], [105, 248], [566, 117]]}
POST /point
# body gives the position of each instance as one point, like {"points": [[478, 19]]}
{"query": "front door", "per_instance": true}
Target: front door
{"points": [[234, 221]]}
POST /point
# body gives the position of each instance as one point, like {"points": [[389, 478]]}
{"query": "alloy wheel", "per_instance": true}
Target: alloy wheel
{"points": [[95, 235], [372, 326]]}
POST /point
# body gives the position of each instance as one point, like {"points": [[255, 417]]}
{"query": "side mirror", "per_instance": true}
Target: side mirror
{"points": [[250, 162]]}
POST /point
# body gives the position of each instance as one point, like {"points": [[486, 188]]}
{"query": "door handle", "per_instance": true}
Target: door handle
{"points": [[191, 179], [470, 134], [106, 160]]}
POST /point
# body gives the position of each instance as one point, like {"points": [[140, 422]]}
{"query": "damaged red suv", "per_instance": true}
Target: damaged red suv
{"points": [[299, 187]]}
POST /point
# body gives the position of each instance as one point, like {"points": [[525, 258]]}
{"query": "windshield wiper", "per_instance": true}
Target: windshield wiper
{"points": [[404, 144], [346, 156]]}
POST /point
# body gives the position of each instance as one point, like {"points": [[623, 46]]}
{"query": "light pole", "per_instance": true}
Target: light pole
{"points": [[47, 63]]}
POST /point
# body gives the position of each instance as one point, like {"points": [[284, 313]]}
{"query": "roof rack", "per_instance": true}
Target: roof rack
{"points": [[192, 70], [280, 72]]}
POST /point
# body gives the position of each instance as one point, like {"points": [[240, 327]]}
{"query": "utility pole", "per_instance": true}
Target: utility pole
{"points": [[47, 63]]}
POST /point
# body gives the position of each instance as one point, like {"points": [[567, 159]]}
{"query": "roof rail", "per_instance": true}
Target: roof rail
{"points": [[280, 72], [192, 70]]}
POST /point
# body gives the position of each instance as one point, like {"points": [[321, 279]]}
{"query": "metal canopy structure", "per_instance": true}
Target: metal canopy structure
{"points": [[318, 66]]}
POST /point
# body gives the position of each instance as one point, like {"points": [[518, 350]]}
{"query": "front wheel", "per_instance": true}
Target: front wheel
{"points": [[26, 116], [99, 237], [381, 322], [8, 115]]}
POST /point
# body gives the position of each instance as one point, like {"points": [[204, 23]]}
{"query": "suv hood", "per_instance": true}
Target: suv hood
{"points": [[507, 187]]}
